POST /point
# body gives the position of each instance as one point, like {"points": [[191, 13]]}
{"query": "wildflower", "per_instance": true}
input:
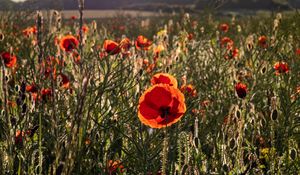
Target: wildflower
{"points": [[281, 67], [298, 52], [73, 17], [19, 137], [115, 167], [189, 89], [122, 28], [190, 36], [65, 82], [205, 103], [85, 29], [46, 93], [87, 141], [161, 105], [224, 27], [226, 41], [295, 95], [232, 53], [262, 41], [158, 49], [111, 47], [29, 31], [10, 60], [164, 78], [125, 44], [195, 111], [241, 90], [267, 153], [49, 65], [69, 43], [11, 104], [142, 43], [102, 55], [33, 90]]}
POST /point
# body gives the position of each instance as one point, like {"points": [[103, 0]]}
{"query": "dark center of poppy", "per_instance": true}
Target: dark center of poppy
{"points": [[70, 46], [164, 111]]}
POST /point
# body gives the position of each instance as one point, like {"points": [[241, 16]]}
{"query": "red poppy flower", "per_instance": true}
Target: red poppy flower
{"points": [[262, 41], [125, 44], [29, 31], [102, 55], [48, 71], [49, 65], [115, 167], [11, 103], [122, 28], [161, 105], [111, 47], [241, 90], [46, 93], [224, 27], [73, 17], [189, 89], [190, 36], [281, 67], [164, 78], [227, 42], [142, 43], [9, 59], [19, 137], [85, 29], [65, 82], [33, 90], [298, 52], [69, 43], [232, 53]]}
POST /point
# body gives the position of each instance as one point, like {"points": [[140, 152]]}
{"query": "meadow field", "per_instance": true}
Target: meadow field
{"points": [[152, 94]]}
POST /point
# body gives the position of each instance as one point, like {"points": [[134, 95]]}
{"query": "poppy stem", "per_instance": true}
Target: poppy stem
{"points": [[39, 23], [80, 7], [164, 153]]}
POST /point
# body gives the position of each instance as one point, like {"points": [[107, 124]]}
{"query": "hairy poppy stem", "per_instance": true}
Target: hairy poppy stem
{"points": [[80, 7], [165, 153], [39, 24]]}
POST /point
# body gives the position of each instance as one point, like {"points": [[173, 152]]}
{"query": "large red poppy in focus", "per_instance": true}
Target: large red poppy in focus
{"points": [[69, 43], [161, 105]]}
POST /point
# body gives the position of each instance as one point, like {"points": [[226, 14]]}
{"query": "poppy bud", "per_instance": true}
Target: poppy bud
{"points": [[241, 90]]}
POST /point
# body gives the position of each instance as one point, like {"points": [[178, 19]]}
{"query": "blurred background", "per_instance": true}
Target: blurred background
{"points": [[154, 5]]}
